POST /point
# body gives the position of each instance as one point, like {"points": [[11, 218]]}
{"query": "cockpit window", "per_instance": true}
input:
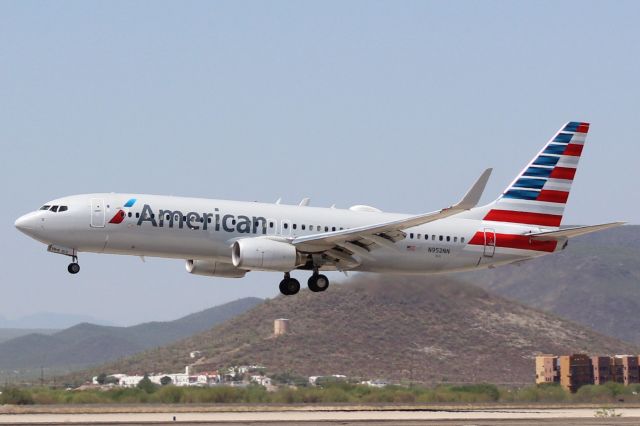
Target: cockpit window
{"points": [[54, 209], [45, 207], [62, 209]]}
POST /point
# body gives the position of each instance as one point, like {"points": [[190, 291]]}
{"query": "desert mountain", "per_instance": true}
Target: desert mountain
{"points": [[426, 329], [89, 344]]}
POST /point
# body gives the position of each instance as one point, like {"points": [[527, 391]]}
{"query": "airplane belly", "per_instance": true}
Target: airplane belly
{"points": [[169, 243]]}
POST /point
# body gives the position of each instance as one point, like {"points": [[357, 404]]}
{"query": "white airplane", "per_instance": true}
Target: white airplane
{"points": [[230, 238]]}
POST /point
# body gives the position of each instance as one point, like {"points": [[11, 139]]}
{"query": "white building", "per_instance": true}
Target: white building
{"points": [[261, 380]]}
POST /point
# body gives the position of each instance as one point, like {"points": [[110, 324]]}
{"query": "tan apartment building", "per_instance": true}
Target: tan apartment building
{"points": [[547, 369], [624, 369], [575, 370], [601, 369]]}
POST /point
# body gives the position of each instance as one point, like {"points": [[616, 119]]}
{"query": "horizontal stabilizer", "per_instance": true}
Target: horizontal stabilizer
{"points": [[574, 231]]}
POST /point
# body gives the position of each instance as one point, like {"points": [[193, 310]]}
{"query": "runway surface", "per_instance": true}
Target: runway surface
{"points": [[566, 416]]}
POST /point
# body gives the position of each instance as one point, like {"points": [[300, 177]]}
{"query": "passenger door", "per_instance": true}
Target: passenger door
{"points": [[97, 213]]}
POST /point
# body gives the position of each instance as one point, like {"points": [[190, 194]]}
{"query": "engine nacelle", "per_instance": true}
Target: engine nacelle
{"points": [[265, 254], [214, 269]]}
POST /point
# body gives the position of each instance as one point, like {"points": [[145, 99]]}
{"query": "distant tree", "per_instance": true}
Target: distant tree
{"points": [[166, 380], [146, 384], [102, 377]]}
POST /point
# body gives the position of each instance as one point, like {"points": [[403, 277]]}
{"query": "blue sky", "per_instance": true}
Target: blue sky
{"points": [[395, 104]]}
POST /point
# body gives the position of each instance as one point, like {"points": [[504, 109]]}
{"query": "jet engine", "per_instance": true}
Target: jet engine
{"points": [[214, 269], [265, 254]]}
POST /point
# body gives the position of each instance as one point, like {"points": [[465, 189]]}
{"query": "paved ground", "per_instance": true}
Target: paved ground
{"points": [[520, 417]]}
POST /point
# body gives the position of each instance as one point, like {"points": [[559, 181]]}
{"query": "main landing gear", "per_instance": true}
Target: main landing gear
{"points": [[290, 286]]}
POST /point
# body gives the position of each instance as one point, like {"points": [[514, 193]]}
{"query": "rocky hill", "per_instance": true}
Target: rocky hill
{"points": [[594, 282], [430, 329], [89, 344]]}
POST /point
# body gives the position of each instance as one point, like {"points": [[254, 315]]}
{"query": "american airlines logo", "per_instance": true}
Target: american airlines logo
{"points": [[202, 221]]}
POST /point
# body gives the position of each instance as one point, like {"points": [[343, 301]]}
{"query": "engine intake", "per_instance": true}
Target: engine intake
{"points": [[214, 269], [265, 254]]}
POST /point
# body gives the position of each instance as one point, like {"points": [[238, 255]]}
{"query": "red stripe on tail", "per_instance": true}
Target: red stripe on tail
{"points": [[563, 173], [583, 128], [573, 149], [541, 219], [553, 196]]}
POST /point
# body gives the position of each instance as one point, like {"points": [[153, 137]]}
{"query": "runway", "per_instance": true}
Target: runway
{"points": [[565, 416]]}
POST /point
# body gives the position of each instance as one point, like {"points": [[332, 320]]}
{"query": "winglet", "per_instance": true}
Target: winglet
{"points": [[472, 197]]}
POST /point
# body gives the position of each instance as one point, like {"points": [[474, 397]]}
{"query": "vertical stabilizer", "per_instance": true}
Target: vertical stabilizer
{"points": [[538, 195]]}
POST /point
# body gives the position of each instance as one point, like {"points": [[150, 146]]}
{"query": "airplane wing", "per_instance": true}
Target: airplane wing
{"points": [[341, 245], [573, 232]]}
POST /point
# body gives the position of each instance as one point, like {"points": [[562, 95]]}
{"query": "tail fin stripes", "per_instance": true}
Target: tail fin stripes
{"points": [[539, 194]]}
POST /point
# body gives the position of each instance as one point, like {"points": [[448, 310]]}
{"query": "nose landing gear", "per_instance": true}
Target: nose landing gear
{"points": [[74, 267]]}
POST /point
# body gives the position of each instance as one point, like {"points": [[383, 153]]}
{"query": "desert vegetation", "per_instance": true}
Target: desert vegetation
{"points": [[330, 393]]}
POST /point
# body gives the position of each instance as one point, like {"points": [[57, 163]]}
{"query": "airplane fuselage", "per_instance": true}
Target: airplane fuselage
{"points": [[203, 229]]}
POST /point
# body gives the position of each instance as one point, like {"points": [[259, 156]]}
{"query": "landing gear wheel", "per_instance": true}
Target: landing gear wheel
{"points": [[318, 282], [73, 268], [289, 286]]}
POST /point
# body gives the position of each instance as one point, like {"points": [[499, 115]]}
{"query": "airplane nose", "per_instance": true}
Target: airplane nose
{"points": [[26, 223]]}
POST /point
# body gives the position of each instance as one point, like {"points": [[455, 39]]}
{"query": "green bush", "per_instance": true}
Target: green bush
{"points": [[16, 396]]}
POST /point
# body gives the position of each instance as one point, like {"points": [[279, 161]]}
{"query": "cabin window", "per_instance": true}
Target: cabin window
{"points": [[333, 228], [208, 220], [233, 222], [418, 236], [286, 226], [433, 237], [303, 227], [138, 214], [411, 235], [455, 239], [462, 239], [129, 214], [448, 238], [270, 224], [440, 237], [326, 229], [295, 226]]}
